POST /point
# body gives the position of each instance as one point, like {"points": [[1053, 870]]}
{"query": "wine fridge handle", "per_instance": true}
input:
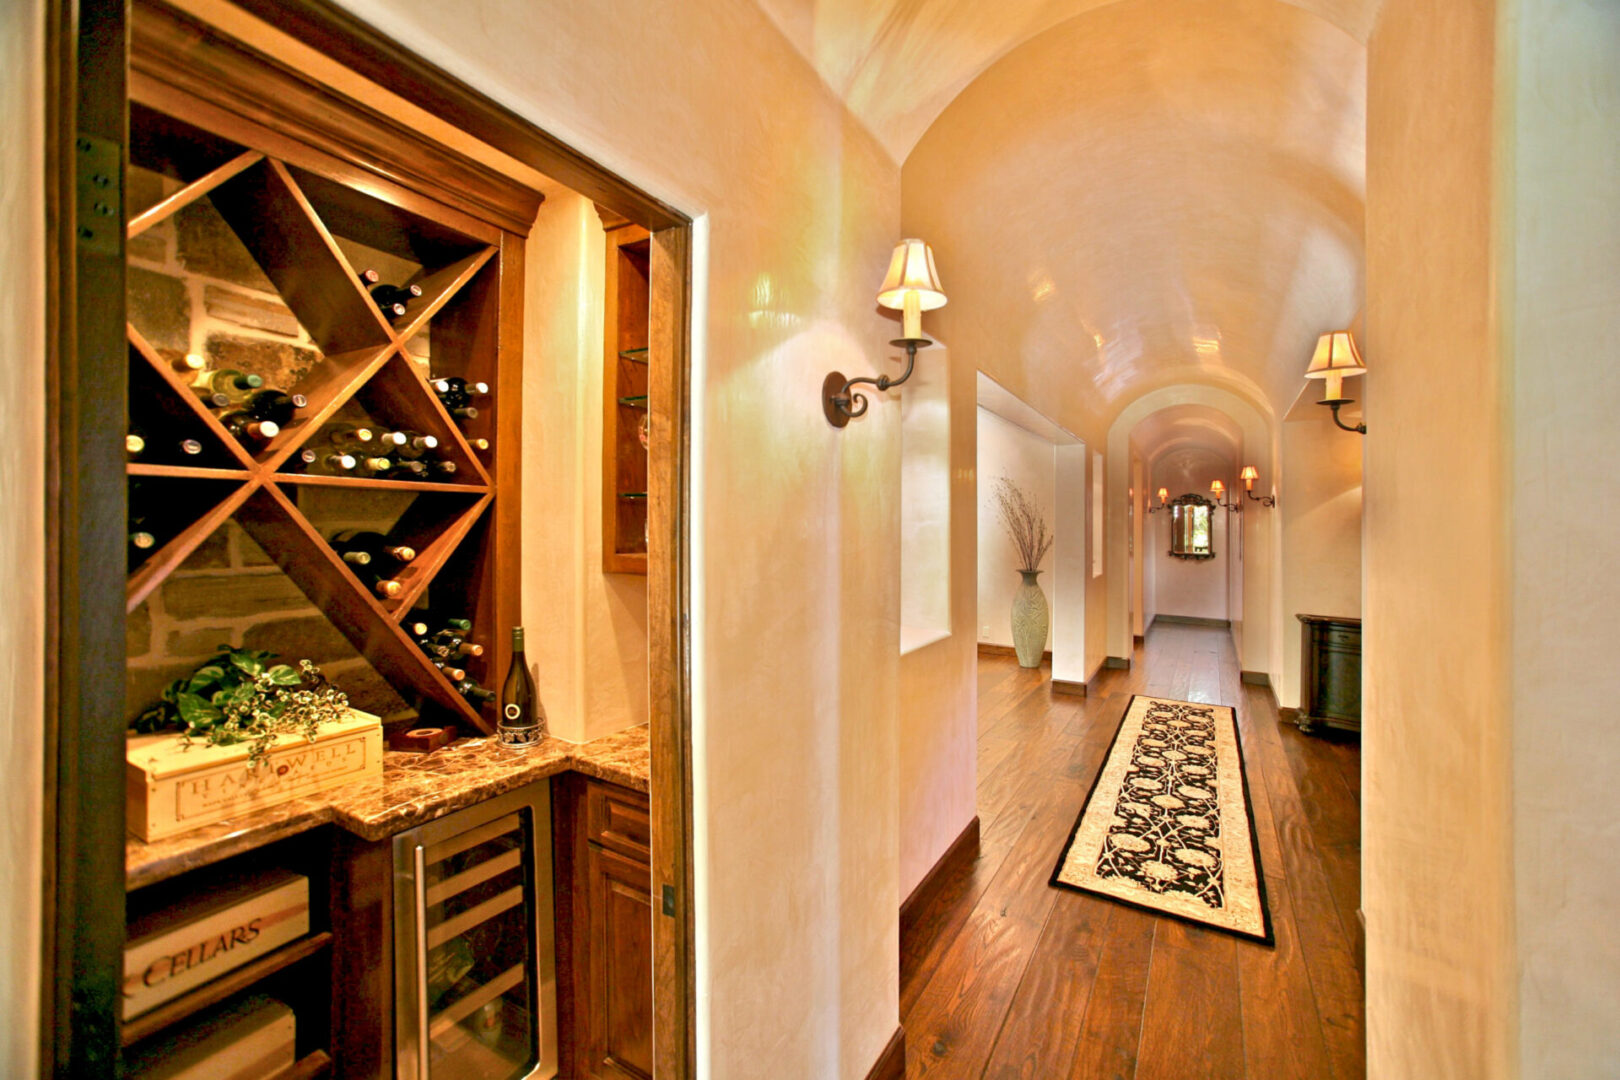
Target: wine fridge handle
{"points": [[419, 884]]}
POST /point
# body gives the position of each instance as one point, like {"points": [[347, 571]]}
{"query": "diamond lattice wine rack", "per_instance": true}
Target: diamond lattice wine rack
{"points": [[304, 225]]}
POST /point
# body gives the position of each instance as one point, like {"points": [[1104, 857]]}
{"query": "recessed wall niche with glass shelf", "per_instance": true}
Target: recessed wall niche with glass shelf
{"points": [[625, 383], [253, 252]]}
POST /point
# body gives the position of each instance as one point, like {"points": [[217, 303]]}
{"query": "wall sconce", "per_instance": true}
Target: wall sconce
{"points": [[1249, 475], [1336, 359], [1217, 491], [1164, 497], [911, 287]]}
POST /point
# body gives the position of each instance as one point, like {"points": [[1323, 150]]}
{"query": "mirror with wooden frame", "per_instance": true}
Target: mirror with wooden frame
{"points": [[1192, 527]]}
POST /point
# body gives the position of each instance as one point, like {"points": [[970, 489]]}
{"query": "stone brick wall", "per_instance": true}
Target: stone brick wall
{"points": [[193, 287]]}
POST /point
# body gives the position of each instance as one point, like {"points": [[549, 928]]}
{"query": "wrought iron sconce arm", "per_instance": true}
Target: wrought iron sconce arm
{"points": [[1263, 500], [1336, 405], [839, 400]]}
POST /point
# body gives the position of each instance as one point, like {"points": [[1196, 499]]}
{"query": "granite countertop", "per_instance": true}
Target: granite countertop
{"points": [[412, 790]]}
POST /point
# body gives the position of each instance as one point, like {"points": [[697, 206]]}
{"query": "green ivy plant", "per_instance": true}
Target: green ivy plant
{"points": [[239, 696]]}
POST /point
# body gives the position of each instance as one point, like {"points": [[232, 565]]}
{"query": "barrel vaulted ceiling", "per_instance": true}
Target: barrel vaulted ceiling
{"points": [[1122, 194]]}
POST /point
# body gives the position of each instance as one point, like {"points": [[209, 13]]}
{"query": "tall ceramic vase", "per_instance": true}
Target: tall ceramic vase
{"points": [[1030, 620]]}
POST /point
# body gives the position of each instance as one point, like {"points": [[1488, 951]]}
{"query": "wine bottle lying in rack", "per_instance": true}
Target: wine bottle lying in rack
{"points": [[393, 298], [134, 445], [225, 386], [479, 444], [333, 464], [277, 406], [248, 430], [189, 364], [410, 444], [473, 692], [352, 438], [381, 553]]}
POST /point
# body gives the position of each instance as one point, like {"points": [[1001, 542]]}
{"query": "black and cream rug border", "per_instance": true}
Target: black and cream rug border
{"points": [[1168, 825]]}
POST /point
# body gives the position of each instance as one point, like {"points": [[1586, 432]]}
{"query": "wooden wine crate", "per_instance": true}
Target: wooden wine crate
{"points": [[171, 787], [251, 1040], [209, 933]]}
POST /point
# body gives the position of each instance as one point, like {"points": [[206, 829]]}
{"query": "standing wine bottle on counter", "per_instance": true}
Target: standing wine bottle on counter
{"points": [[523, 719]]}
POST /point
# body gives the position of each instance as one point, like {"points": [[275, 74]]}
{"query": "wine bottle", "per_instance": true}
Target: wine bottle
{"points": [[335, 464], [370, 277], [134, 445], [471, 689], [351, 438], [249, 431], [142, 540], [274, 405], [395, 296], [412, 444], [189, 364], [357, 558], [388, 588], [190, 447], [465, 412], [468, 648], [458, 624], [523, 721], [479, 444], [444, 468], [232, 385], [418, 628], [375, 466], [385, 556], [454, 674]]}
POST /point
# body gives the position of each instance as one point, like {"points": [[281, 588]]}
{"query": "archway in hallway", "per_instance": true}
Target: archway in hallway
{"points": [[1249, 431]]}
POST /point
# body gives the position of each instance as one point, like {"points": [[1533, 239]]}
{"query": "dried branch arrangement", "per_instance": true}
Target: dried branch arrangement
{"points": [[1024, 522]]}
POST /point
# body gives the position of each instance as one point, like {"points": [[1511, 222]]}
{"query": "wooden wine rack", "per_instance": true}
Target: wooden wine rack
{"points": [[290, 203]]}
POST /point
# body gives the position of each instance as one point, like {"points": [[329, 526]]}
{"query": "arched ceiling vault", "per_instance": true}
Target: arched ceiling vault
{"points": [[899, 63], [1150, 193]]}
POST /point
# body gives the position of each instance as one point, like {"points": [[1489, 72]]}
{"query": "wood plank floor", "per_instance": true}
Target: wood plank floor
{"points": [[1002, 975]]}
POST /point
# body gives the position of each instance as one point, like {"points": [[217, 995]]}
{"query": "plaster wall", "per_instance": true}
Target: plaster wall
{"points": [[1006, 449], [795, 524], [939, 723], [1320, 505], [926, 431], [1564, 239], [22, 534], [587, 630], [1436, 765], [1194, 588]]}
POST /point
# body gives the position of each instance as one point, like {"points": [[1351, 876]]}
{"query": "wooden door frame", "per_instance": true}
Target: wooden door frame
{"points": [[86, 366]]}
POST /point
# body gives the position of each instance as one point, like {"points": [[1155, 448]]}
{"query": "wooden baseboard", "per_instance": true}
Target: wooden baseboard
{"points": [[964, 848], [1255, 678], [988, 649], [1288, 715], [891, 1064], [1141, 639], [1193, 620], [1064, 686], [1118, 663]]}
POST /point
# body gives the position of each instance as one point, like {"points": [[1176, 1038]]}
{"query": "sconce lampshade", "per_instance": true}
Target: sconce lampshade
{"points": [[1164, 495], [1336, 359], [1217, 489], [1249, 475], [912, 284]]}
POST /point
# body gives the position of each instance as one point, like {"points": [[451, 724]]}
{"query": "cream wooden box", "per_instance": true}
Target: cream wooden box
{"points": [[179, 947], [171, 788]]}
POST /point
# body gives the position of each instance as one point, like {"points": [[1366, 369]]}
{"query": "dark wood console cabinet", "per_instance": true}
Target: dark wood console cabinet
{"points": [[602, 853], [1330, 673]]}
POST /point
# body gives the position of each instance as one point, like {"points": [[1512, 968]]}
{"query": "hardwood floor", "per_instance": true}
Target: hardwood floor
{"points": [[1002, 975]]}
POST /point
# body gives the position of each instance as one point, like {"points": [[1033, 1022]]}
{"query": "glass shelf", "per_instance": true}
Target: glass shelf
{"points": [[638, 355], [632, 494], [637, 402]]}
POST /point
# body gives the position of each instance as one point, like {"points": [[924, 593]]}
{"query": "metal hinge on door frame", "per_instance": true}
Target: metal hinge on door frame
{"points": [[99, 185]]}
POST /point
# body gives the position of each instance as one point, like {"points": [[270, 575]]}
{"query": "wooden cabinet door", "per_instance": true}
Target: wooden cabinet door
{"points": [[618, 1017]]}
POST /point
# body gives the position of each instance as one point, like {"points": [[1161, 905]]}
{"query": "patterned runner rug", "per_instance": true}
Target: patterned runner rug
{"points": [[1167, 826]]}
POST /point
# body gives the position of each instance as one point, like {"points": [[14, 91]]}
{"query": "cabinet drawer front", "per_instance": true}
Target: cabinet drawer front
{"points": [[1348, 637], [618, 819]]}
